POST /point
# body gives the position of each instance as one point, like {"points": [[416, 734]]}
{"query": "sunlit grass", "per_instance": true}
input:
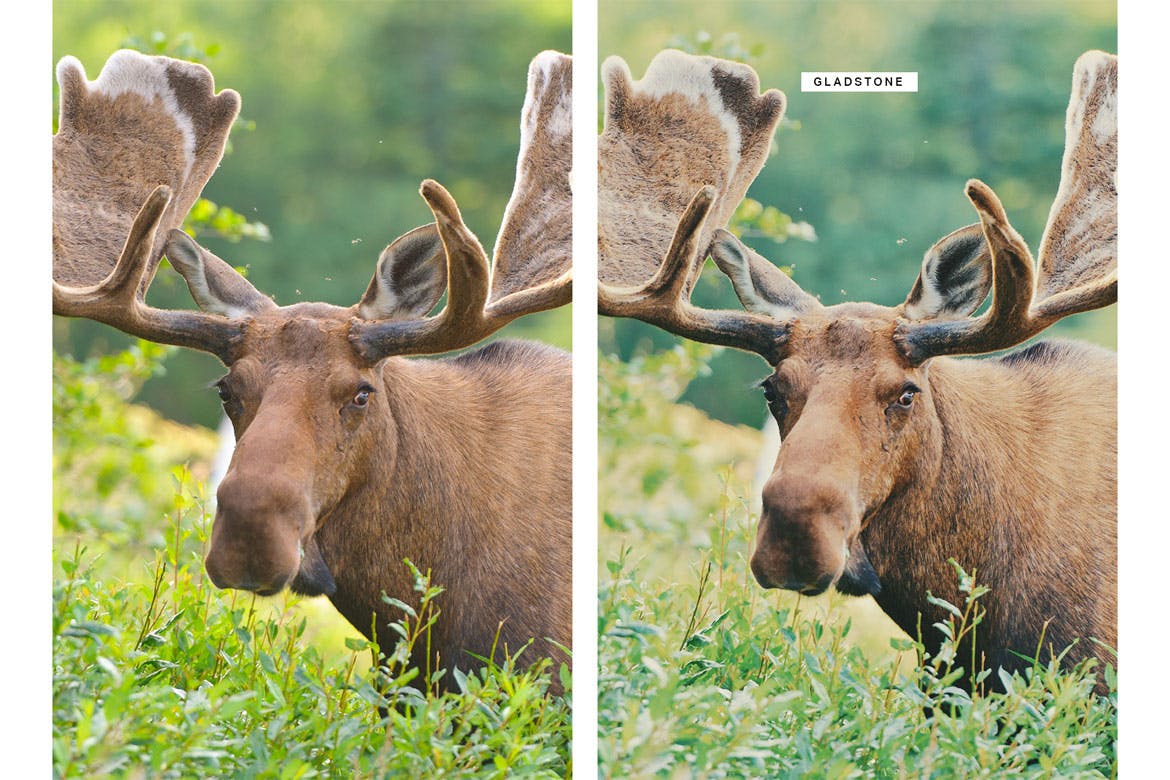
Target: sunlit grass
{"points": [[704, 674], [156, 673]]}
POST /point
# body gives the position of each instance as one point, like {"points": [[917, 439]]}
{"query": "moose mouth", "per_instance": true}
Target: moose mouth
{"points": [[313, 577], [857, 578], [814, 589]]}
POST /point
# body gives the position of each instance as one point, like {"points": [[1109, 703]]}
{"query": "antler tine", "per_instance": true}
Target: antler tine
{"points": [[550, 295], [1078, 255], [465, 319], [534, 249], [691, 124], [118, 299], [1078, 252], [145, 121], [532, 267], [131, 155], [665, 300]]}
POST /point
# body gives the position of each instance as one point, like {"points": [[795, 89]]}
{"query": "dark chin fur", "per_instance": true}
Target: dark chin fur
{"points": [[859, 578], [314, 578]]}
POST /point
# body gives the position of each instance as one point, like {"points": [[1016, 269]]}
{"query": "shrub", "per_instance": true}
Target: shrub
{"points": [[158, 674]]}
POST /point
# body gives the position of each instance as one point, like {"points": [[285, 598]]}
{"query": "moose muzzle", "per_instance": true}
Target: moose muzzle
{"points": [[802, 541], [256, 540]]}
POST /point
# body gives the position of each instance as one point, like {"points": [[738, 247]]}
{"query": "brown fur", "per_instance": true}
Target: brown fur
{"points": [[350, 457], [988, 466], [1025, 453], [454, 464]]}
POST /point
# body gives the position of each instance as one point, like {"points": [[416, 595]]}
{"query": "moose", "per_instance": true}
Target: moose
{"points": [[895, 454], [352, 455]]}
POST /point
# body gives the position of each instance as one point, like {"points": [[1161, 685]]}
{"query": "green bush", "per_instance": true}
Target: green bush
{"points": [[704, 674], [158, 674]]}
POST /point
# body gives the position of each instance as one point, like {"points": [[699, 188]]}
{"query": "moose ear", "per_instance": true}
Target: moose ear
{"points": [[762, 288], [214, 284], [955, 277], [410, 279]]}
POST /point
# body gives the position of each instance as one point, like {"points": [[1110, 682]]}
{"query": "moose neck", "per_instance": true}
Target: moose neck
{"points": [[416, 484], [997, 471], [454, 493]]}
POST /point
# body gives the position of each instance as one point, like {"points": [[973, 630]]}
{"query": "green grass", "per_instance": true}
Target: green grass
{"points": [[158, 674], [704, 674]]}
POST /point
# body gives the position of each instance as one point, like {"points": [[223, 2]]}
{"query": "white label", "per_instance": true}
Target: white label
{"points": [[854, 81]]}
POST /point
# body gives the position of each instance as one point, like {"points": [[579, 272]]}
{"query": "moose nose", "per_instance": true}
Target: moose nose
{"points": [[760, 572], [810, 502], [226, 570], [800, 544], [255, 539]]}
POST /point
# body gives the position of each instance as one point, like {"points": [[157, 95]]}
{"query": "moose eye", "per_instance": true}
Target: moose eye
{"points": [[906, 399], [225, 394], [362, 396], [776, 402]]}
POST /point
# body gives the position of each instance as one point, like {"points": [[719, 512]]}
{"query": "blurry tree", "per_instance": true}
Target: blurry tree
{"points": [[351, 105], [879, 176]]}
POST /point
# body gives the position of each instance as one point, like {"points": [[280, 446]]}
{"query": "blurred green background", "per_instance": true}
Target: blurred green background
{"points": [[347, 106], [878, 176]]}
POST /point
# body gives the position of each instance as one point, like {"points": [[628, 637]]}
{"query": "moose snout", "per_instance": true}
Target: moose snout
{"points": [[256, 536], [801, 541]]}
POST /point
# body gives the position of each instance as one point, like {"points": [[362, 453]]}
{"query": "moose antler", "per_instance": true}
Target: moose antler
{"points": [[531, 269], [688, 138], [661, 134], [150, 126], [131, 155], [1078, 253]]}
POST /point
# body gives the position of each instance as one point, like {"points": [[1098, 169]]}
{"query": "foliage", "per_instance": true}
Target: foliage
{"points": [[206, 217], [703, 674], [349, 107], [158, 674], [879, 175], [653, 461], [181, 46], [112, 460]]}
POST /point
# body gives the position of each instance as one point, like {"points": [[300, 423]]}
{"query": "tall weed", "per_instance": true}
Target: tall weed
{"points": [[704, 674], [158, 674]]}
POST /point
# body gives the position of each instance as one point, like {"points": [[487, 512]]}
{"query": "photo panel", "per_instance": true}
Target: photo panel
{"points": [[312, 493], [856, 497]]}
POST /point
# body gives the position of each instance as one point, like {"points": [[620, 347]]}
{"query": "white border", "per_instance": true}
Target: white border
{"points": [[585, 80], [1143, 527], [26, 457]]}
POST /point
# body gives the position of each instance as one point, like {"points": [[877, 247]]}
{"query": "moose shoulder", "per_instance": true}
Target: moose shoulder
{"points": [[350, 456], [896, 456], [1019, 492]]}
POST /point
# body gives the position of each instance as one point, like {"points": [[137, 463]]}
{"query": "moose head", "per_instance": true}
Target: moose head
{"points": [[348, 456], [894, 457]]}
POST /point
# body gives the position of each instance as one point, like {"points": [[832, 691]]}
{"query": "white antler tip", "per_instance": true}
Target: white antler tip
{"points": [[985, 200], [615, 66], [1094, 60], [547, 60], [68, 64]]}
